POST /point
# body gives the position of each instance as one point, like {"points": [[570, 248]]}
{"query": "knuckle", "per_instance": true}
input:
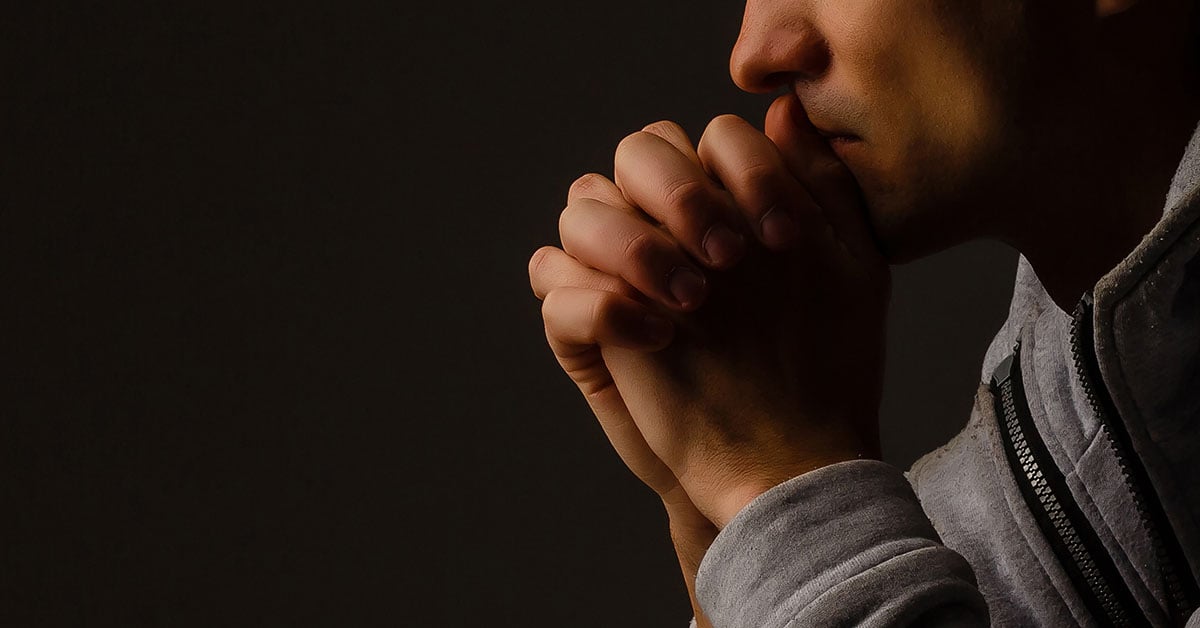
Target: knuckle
{"points": [[724, 123], [601, 309], [539, 261], [560, 311], [686, 193], [629, 143], [622, 288], [759, 185], [549, 307], [758, 174], [663, 127], [565, 219], [614, 284], [639, 248], [755, 186], [585, 185]]}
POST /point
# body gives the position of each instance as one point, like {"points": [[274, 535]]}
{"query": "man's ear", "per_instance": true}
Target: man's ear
{"points": [[1106, 8]]}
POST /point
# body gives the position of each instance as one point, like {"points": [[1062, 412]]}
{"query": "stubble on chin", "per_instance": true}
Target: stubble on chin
{"points": [[918, 215]]}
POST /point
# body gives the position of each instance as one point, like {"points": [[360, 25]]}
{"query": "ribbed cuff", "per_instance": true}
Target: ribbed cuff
{"points": [[844, 544]]}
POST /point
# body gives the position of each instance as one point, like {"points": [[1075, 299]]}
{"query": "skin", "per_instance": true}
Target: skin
{"points": [[1059, 96], [900, 78], [763, 255]]}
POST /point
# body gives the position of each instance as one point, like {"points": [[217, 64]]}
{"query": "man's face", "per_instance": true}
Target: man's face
{"points": [[927, 89]]}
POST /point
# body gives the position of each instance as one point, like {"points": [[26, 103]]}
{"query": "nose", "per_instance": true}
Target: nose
{"points": [[776, 46]]}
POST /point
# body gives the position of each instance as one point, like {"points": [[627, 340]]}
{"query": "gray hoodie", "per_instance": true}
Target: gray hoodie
{"points": [[1071, 497]]}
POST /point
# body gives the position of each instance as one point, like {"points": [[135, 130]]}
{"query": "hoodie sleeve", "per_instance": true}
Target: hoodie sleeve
{"points": [[842, 545]]}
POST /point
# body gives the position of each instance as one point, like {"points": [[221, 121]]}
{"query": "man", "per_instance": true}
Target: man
{"points": [[721, 306]]}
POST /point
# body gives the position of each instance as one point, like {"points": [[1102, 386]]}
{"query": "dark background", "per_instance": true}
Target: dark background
{"points": [[272, 356]]}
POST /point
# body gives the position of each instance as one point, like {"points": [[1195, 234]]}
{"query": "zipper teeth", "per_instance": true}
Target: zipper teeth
{"points": [[1062, 525], [1174, 585]]}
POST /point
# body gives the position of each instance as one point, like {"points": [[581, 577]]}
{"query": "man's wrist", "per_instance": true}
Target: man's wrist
{"points": [[735, 499], [691, 534]]}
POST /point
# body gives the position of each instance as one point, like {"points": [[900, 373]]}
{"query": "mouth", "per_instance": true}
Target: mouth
{"points": [[836, 141], [844, 145], [841, 143], [840, 140], [835, 135]]}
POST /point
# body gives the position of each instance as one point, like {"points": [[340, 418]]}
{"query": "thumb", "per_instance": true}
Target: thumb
{"points": [[828, 180]]}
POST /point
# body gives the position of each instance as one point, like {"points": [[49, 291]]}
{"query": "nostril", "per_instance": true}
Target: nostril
{"points": [[767, 59], [782, 80], [813, 59]]}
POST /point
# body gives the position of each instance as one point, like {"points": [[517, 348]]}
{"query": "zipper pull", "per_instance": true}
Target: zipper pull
{"points": [[1004, 370]]}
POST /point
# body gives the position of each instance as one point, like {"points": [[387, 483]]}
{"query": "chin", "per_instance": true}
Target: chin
{"points": [[918, 211], [908, 227]]}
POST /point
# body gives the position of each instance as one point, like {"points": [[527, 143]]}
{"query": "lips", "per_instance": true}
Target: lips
{"points": [[829, 131], [842, 142], [835, 135]]}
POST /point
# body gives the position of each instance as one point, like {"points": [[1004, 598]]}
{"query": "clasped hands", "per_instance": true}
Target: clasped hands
{"points": [[721, 308]]}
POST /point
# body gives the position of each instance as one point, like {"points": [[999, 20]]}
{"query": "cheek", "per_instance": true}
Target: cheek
{"points": [[928, 116], [922, 94], [908, 61], [873, 64], [863, 36]]}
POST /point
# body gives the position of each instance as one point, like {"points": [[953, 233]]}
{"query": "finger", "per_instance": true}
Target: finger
{"points": [[676, 192], [811, 160], [677, 137], [582, 360], [620, 244], [627, 439], [600, 188], [590, 373], [551, 267], [580, 317], [749, 165]]}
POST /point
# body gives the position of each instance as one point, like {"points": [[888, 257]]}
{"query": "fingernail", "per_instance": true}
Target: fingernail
{"points": [[722, 245], [686, 285], [778, 229], [657, 328]]}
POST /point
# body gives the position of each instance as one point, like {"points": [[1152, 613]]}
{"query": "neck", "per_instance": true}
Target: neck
{"points": [[1099, 219], [1108, 189]]}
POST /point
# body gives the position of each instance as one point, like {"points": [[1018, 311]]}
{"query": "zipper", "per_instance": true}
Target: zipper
{"points": [[1074, 542], [1178, 581]]}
